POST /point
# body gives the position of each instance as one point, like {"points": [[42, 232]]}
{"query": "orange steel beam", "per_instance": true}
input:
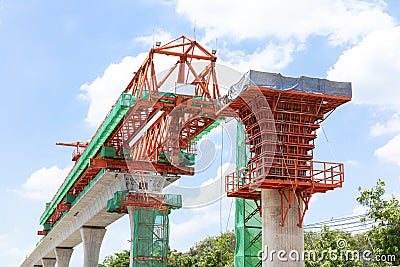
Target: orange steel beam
{"points": [[74, 144], [129, 165]]}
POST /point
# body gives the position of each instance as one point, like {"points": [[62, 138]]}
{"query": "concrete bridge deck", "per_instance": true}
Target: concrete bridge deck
{"points": [[89, 211]]}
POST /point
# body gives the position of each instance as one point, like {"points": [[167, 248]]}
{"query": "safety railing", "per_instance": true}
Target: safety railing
{"points": [[268, 171]]}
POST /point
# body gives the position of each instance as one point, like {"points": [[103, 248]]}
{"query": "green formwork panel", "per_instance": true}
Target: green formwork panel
{"points": [[162, 157], [173, 201], [46, 227], [165, 94], [110, 206], [186, 159], [248, 234], [126, 99], [69, 198], [248, 228], [116, 202], [112, 120], [144, 96], [150, 238], [108, 152], [126, 152]]}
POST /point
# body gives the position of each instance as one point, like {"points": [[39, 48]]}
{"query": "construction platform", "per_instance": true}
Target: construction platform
{"points": [[281, 116]]}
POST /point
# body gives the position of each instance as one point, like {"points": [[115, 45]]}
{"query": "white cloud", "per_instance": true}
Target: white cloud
{"points": [[391, 126], [159, 36], [272, 58], [9, 250], [340, 20], [43, 183], [390, 151], [373, 67], [105, 90], [226, 169]]}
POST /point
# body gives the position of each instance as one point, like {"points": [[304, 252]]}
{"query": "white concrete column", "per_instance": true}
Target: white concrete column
{"points": [[92, 238], [49, 262], [282, 245], [63, 256], [131, 212]]}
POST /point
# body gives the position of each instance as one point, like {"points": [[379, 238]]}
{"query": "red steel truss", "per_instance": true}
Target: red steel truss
{"points": [[281, 142], [183, 116], [172, 132], [145, 80]]}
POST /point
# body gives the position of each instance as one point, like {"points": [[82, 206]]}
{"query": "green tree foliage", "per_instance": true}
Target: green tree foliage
{"points": [[116, 260], [383, 239], [211, 252], [331, 248], [385, 236]]}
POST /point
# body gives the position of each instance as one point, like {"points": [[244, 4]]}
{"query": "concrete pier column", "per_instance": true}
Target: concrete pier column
{"points": [[92, 238], [131, 212], [49, 262], [282, 245], [63, 256]]}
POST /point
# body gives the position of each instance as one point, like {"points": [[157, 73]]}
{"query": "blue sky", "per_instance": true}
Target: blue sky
{"points": [[62, 65]]}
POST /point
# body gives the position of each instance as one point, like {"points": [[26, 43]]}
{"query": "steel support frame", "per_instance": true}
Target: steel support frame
{"points": [[285, 164]]}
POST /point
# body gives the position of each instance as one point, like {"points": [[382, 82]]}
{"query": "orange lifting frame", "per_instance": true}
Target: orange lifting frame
{"points": [[145, 109]]}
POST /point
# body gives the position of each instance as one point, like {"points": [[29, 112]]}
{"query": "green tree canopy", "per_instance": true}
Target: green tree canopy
{"points": [[116, 260], [382, 239], [334, 248], [385, 236], [211, 252]]}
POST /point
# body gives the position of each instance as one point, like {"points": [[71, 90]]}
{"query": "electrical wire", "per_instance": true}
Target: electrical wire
{"points": [[221, 184], [329, 144], [221, 173], [344, 226], [338, 219], [347, 224], [229, 215]]}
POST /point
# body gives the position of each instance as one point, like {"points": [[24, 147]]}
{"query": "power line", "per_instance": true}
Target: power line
{"points": [[347, 224], [229, 216], [337, 220], [339, 225]]}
